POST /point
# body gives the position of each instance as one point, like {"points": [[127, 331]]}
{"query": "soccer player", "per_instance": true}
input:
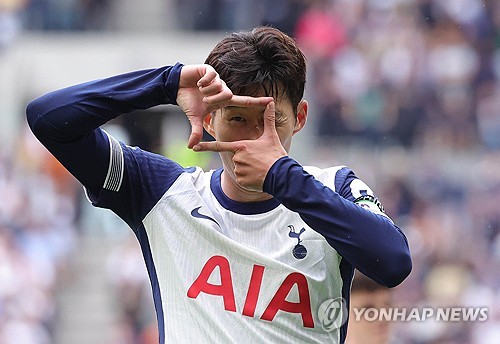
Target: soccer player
{"points": [[248, 252], [368, 296]]}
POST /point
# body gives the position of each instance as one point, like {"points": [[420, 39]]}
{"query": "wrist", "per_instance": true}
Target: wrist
{"points": [[278, 170], [173, 82]]}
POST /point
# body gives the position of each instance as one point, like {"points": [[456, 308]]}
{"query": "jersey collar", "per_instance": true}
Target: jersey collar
{"points": [[243, 208]]}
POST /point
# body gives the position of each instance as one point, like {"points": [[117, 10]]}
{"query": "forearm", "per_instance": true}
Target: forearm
{"points": [[69, 113], [66, 121], [370, 242]]}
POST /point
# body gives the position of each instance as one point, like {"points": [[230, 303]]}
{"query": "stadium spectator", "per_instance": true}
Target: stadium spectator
{"points": [[368, 295], [37, 238], [10, 21]]}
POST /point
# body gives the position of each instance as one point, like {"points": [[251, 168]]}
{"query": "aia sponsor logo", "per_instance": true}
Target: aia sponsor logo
{"points": [[294, 283]]}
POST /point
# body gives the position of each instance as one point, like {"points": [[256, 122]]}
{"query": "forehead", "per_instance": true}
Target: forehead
{"points": [[283, 108], [273, 89]]}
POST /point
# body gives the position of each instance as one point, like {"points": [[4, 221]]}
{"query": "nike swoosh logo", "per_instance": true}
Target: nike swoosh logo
{"points": [[196, 213]]}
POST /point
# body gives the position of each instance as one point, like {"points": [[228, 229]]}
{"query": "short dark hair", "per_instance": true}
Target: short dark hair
{"points": [[363, 283], [261, 59]]}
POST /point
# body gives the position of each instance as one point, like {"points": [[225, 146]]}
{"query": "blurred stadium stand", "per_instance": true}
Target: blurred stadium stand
{"points": [[405, 92]]}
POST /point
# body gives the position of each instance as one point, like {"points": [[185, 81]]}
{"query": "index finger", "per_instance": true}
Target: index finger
{"points": [[208, 75], [247, 101], [216, 146]]}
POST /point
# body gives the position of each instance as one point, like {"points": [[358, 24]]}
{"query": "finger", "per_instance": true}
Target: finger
{"points": [[270, 119], [246, 101], [216, 146], [209, 75], [196, 131], [214, 87], [220, 98]]}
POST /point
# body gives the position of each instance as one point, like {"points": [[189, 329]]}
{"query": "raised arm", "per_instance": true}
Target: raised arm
{"points": [[116, 176], [66, 121], [369, 241]]}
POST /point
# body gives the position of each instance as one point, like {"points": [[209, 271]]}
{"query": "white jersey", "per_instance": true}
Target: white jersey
{"points": [[223, 271], [262, 275]]}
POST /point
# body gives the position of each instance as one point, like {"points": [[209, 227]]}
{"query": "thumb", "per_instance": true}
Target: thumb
{"points": [[196, 131], [270, 119]]}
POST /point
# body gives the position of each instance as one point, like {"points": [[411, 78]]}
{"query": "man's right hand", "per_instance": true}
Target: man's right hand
{"points": [[202, 91]]}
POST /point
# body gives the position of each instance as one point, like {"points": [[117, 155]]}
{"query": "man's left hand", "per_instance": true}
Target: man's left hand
{"points": [[252, 158]]}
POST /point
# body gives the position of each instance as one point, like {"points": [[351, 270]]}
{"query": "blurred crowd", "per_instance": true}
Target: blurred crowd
{"points": [[412, 89], [38, 233], [406, 92]]}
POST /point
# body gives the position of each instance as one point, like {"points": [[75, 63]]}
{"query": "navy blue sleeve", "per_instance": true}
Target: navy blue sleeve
{"points": [[67, 123], [137, 186], [370, 242]]}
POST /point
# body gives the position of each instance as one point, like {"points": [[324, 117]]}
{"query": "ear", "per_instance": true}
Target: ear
{"points": [[208, 123], [301, 116]]}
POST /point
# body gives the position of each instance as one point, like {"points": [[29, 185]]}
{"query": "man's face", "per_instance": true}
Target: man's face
{"points": [[247, 123], [363, 331]]}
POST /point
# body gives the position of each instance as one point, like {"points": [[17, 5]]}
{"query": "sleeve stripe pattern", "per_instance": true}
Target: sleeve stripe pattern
{"points": [[114, 177]]}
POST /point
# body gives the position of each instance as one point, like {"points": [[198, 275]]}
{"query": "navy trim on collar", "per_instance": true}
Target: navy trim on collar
{"points": [[243, 208]]}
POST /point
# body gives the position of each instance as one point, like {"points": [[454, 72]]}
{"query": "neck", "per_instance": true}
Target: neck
{"points": [[237, 193]]}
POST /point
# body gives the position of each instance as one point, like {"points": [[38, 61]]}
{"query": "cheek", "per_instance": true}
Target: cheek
{"points": [[236, 133], [227, 157], [285, 138], [286, 144], [225, 133]]}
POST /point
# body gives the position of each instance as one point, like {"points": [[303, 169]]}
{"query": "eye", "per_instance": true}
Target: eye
{"points": [[237, 119]]}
